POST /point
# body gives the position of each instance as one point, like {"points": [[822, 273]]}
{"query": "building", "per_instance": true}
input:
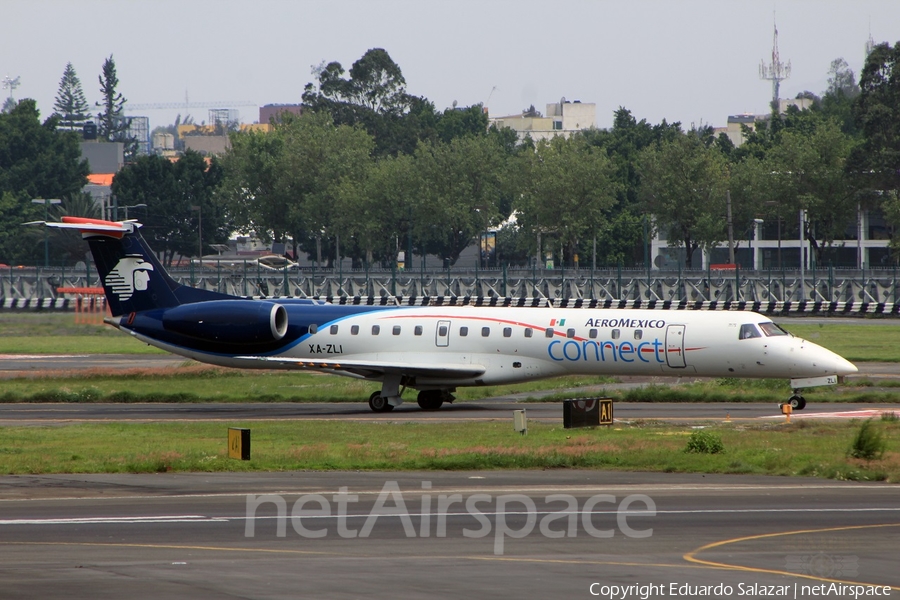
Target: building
{"points": [[734, 129], [775, 244], [562, 118], [273, 112]]}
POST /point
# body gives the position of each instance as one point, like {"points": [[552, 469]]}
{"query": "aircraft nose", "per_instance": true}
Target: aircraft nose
{"points": [[833, 364]]}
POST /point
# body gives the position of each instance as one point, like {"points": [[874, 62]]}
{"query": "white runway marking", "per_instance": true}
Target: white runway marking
{"points": [[848, 414], [116, 520], [37, 356]]}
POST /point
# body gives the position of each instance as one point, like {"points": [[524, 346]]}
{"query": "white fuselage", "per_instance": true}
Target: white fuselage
{"points": [[518, 344]]}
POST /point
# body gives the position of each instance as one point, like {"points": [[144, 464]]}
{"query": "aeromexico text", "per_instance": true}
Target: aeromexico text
{"points": [[630, 323]]}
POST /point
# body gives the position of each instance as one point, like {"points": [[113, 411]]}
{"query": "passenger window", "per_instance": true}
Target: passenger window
{"points": [[376, 329], [463, 331], [748, 331], [592, 334], [417, 330], [442, 331], [638, 334], [396, 330], [334, 329], [616, 333], [313, 328], [354, 330], [548, 332], [485, 331], [529, 332], [570, 333], [507, 332]]}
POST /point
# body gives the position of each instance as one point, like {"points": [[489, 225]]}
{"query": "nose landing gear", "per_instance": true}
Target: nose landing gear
{"points": [[797, 401]]}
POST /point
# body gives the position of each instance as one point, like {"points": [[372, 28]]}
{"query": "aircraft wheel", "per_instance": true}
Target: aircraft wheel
{"points": [[797, 402], [379, 403], [430, 400]]}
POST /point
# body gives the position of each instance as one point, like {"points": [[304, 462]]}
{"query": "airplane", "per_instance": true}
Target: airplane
{"points": [[435, 349]]}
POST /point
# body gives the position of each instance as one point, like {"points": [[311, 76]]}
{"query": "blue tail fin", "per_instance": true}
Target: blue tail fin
{"points": [[133, 279]]}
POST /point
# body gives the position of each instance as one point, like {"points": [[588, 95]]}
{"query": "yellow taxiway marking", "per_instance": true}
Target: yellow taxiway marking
{"points": [[692, 555]]}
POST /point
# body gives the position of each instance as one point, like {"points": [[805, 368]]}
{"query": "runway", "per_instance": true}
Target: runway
{"points": [[480, 410], [549, 534]]}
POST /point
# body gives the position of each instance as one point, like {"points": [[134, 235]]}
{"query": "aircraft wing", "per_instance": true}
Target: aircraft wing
{"points": [[373, 368]]}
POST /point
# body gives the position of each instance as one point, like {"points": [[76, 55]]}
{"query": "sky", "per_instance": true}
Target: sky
{"points": [[692, 61]]}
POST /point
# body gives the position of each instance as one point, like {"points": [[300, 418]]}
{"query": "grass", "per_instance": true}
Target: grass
{"points": [[818, 449], [865, 342], [57, 333]]}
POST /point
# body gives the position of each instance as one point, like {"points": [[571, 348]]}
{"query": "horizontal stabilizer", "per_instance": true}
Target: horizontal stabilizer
{"points": [[91, 226]]}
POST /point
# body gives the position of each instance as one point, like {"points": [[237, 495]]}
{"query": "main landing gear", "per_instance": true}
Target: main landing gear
{"points": [[428, 400], [433, 399]]}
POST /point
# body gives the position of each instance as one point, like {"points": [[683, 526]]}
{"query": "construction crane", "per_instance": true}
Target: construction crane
{"points": [[178, 105]]}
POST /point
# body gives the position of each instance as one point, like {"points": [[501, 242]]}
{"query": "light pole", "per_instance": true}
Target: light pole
{"points": [[46, 202], [754, 230], [199, 210], [132, 206]]}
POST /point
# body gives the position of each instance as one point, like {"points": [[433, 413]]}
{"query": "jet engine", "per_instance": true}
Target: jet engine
{"points": [[229, 321]]}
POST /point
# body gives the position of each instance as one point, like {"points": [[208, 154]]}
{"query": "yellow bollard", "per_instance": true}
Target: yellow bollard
{"points": [[786, 411]]}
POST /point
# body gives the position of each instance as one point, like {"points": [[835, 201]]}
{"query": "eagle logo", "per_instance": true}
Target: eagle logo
{"points": [[130, 275]]}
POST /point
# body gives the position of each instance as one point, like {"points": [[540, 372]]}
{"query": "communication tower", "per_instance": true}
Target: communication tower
{"points": [[776, 71]]}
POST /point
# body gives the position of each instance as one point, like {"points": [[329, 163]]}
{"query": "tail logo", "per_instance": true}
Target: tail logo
{"points": [[130, 275]]}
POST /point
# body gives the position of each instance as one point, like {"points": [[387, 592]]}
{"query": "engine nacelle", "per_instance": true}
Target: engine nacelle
{"points": [[229, 321]]}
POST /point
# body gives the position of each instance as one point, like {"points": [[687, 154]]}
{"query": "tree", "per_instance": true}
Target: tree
{"points": [[71, 106], [173, 192], [287, 182], [622, 239], [461, 188], [683, 185], [36, 161], [254, 186], [875, 163], [567, 190], [809, 170], [113, 124], [374, 212]]}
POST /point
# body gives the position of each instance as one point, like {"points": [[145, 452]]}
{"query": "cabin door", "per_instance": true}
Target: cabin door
{"points": [[675, 346], [442, 334]]}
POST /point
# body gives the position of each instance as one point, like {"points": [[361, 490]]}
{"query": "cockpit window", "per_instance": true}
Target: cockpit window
{"points": [[749, 330], [771, 329]]}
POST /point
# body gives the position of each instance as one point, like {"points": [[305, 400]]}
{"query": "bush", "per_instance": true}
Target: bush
{"points": [[869, 443], [705, 442]]}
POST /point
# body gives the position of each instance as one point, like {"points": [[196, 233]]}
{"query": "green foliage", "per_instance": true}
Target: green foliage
{"points": [[869, 442], [113, 124], [703, 441], [36, 161], [683, 184], [566, 191], [71, 106], [170, 191]]}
